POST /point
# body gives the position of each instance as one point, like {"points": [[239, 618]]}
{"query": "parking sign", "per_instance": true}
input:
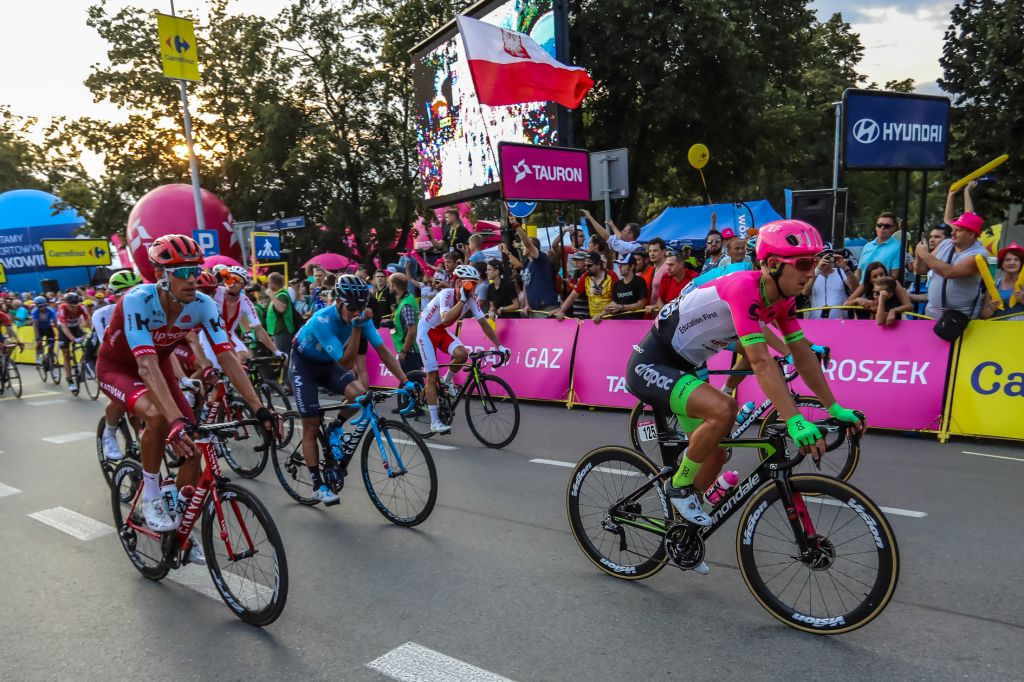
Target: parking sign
{"points": [[208, 241]]}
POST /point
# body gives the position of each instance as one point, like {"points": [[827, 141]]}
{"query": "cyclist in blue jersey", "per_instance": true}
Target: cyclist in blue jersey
{"points": [[44, 321], [329, 340]]}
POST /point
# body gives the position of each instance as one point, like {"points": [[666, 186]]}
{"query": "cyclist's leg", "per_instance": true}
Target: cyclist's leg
{"points": [[716, 413], [65, 350], [425, 343], [190, 471], [460, 356], [303, 375]]}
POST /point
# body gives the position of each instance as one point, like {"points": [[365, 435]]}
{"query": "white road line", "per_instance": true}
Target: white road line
{"points": [[982, 454], [40, 403], [73, 523], [6, 490], [414, 663], [606, 470], [887, 510], [198, 578], [430, 444], [70, 437]]}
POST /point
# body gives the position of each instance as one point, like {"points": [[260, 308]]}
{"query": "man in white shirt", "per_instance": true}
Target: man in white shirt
{"points": [[623, 242], [831, 285]]}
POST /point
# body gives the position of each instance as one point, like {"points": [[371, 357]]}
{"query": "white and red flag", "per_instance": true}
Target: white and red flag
{"points": [[510, 68]]}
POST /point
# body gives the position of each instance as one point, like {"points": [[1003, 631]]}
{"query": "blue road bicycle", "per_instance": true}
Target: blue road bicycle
{"points": [[396, 466]]}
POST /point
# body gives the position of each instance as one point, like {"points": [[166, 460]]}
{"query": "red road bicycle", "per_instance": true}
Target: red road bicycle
{"points": [[244, 449], [244, 552]]}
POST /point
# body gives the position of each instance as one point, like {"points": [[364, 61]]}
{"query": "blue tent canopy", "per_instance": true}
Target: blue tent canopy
{"points": [[693, 222]]}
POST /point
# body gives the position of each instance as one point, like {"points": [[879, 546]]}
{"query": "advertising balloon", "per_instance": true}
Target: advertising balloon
{"points": [[698, 156], [170, 209]]}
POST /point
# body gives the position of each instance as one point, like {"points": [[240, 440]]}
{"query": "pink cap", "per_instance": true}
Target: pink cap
{"points": [[969, 221], [728, 233]]}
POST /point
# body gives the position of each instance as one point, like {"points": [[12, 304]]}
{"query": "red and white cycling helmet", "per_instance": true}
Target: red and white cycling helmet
{"points": [[787, 239], [175, 249], [467, 272]]}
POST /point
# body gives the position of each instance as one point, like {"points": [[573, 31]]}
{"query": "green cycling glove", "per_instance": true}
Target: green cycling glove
{"points": [[802, 431], [842, 414]]}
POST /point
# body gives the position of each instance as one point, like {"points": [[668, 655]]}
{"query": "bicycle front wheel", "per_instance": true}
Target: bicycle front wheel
{"points": [[54, 369], [88, 376], [13, 378], [850, 575], [144, 550], [125, 443], [400, 477], [628, 543], [252, 578], [839, 463], [42, 367], [492, 411], [246, 449]]}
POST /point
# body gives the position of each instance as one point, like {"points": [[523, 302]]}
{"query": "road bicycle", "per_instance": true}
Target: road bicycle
{"points": [[492, 409], [124, 432], [46, 362], [645, 433], [400, 476], [245, 555], [243, 449], [271, 394], [814, 551], [10, 377], [83, 373]]}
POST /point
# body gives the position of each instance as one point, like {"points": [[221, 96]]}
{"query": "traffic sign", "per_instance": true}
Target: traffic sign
{"points": [[266, 246], [521, 209], [74, 253], [289, 223], [268, 225], [178, 50], [209, 241]]}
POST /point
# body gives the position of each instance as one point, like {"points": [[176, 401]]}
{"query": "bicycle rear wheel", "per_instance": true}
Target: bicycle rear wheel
{"points": [[602, 478], [419, 419], [274, 397], [644, 414], [852, 573], [246, 450], [839, 463], [13, 378], [144, 550], [254, 586], [404, 494], [88, 376]]}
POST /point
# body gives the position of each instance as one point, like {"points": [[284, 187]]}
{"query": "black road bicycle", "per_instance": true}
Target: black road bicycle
{"points": [[10, 377], [46, 362], [840, 462], [814, 551], [270, 393], [492, 409]]}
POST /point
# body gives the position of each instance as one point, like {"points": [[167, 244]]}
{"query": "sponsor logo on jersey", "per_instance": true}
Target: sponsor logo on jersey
{"points": [[187, 318]]}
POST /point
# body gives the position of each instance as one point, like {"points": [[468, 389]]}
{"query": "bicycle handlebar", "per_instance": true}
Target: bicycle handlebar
{"points": [[480, 354], [380, 396], [829, 424]]}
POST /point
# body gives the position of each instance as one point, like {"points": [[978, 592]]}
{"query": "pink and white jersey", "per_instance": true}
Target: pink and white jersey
{"points": [[444, 301], [244, 308], [722, 311]]}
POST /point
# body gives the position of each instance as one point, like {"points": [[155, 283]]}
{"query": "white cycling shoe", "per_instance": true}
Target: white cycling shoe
{"points": [[157, 518], [111, 450], [196, 554], [687, 503], [325, 495], [440, 427], [451, 389], [702, 569]]}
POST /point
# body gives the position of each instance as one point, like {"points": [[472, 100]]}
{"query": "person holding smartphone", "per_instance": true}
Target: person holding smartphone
{"points": [[831, 285]]}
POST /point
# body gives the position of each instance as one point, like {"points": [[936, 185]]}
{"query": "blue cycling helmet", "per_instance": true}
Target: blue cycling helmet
{"points": [[352, 292], [39, 300]]}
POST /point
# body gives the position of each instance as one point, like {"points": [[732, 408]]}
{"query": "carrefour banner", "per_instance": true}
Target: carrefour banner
{"points": [[21, 253], [987, 397], [894, 375]]}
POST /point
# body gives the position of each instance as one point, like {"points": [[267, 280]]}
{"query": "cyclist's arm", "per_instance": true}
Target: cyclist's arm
{"points": [[809, 368], [260, 332], [450, 315]]}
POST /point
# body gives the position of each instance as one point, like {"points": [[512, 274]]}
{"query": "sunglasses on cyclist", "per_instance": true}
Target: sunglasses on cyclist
{"points": [[185, 272], [230, 279], [802, 264]]}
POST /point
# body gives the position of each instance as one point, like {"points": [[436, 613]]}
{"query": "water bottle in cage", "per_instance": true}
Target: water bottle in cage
{"points": [[745, 412]]}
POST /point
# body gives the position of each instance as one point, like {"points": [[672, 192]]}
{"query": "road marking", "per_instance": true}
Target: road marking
{"points": [[414, 663], [73, 523], [606, 470], [198, 578], [70, 437], [6, 490], [430, 444], [887, 510], [40, 403], [32, 395], [982, 454]]}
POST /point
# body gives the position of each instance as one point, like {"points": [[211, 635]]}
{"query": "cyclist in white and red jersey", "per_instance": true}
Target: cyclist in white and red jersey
{"points": [[234, 308], [70, 314], [135, 371], [432, 335], [668, 368]]}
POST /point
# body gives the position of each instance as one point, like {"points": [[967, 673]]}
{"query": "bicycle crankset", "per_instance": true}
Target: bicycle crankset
{"points": [[684, 545]]}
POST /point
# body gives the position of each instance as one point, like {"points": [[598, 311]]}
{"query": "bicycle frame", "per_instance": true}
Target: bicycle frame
{"points": [[474, 370], [368, 417]]}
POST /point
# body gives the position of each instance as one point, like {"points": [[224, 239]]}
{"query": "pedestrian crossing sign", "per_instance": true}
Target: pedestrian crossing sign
{"points": [[266, 246]]}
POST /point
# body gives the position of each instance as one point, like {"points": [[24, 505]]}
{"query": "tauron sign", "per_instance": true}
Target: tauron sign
{"points": [[536, 173], [894, 130]]}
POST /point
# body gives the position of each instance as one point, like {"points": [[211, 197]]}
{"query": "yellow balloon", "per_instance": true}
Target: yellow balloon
{"points": [[698, 156]]}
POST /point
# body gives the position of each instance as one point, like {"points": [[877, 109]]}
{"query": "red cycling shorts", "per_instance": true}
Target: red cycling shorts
{"points": [[429, 339], [123, 385]]}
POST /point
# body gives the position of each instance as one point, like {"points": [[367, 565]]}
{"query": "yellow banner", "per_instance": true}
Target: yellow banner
{"points": [[3, 274], [989, 390], [178, 50], [75, 253]]}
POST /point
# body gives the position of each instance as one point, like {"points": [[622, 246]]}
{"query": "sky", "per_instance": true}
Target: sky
{"points": [[901, 40]]}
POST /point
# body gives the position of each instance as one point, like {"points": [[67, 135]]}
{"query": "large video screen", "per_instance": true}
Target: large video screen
{"points": [[452, 127]]}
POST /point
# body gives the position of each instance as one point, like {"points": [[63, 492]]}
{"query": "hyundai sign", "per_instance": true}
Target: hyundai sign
{"points": [[895, 131], [534, 173]]}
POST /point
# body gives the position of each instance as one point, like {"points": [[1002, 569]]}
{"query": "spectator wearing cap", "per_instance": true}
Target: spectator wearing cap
{"points": [[955, 269], [540, 289], [622, 241], [580, 307], [629, 294], [596, 284], [677, 276], [883, 248], [1010, 261], [501, 292], [644, 270]]}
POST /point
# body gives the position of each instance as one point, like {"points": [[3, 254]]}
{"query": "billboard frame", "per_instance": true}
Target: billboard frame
{"points": [[844, 121]]}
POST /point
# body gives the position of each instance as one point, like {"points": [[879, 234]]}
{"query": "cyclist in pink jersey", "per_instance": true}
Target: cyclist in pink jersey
{"points": [[667, 370]]}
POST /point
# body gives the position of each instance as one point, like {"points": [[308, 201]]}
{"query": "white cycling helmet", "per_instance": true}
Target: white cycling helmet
{"points": [[467, 272], [239, 271]]}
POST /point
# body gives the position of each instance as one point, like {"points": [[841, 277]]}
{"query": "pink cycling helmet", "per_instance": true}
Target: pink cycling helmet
{"points": [[788, 238]]}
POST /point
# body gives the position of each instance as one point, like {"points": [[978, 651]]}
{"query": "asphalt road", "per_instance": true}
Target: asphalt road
{"points": [[494, 577]]}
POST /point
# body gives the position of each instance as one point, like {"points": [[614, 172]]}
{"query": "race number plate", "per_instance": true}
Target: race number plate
{"points": [[647, 429]]}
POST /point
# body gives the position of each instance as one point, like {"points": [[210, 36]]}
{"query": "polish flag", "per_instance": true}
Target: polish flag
{"points": [[510, 68]]}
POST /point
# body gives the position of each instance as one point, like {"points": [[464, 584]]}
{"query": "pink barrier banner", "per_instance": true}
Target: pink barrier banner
{"points": [[602, 353], [378, 374], [894, 375], [541, 355]]}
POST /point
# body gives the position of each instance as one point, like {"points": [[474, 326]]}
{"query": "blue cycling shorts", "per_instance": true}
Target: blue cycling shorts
{"points": [[307, 375]]}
